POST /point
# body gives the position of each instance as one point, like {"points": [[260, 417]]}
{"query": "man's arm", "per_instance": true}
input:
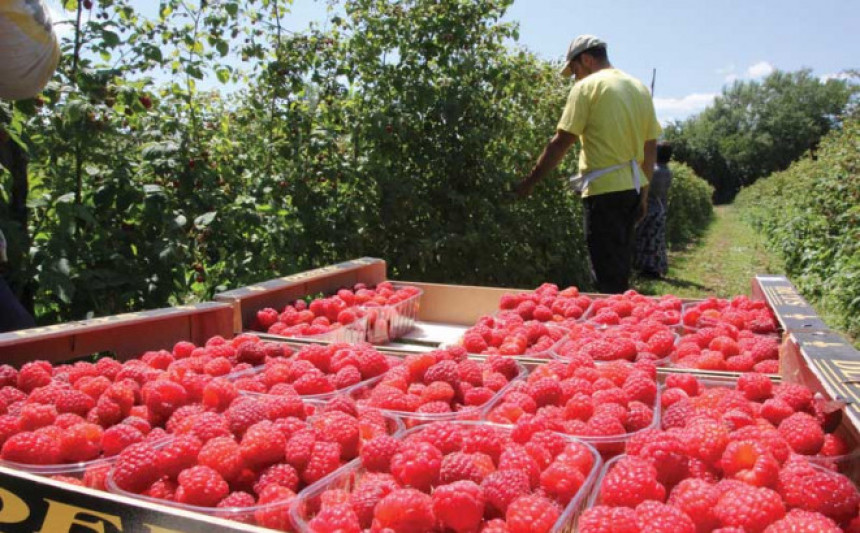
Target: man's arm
{"points": [[549, 159], [648, 170]]}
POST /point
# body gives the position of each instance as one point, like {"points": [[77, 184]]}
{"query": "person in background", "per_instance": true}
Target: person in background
{"points": [[651, 258], [613, 115], [29, 54]]}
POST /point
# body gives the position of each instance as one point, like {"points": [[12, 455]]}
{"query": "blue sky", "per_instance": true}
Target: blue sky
{"points": [[697, 46]]}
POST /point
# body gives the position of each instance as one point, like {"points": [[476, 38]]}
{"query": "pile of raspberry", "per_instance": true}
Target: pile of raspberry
{"points": [[740, 312], [442, 382], [738, 459], [508, 333], [317, 369], [462, 478], [547, 304], [323, 315], [602, 404], [53, 415], [633, 308], [727, 348], [257, 452], [648, 340]]}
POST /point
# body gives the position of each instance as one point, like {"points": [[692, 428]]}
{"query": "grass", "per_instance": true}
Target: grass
{"points": [[721, 264]]}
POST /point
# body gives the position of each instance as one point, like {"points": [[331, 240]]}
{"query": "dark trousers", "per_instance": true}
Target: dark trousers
{"points": [[610, 221], [12, 313]]}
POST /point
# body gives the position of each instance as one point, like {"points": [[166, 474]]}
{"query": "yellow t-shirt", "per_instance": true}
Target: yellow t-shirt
{"points": [[613, 115]]}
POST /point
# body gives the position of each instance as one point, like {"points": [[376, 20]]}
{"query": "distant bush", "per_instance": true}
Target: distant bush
{"points": [[690, 207], [810, 214]]}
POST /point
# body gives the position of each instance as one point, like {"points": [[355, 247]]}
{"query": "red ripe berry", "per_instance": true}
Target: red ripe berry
{"points": [[162, 397], [73, 401], [324, 459], [117, 438], [775, 411], [803, 433], [750, 462], [459, 466], [243, 413], [664, 450], [201, 486], [34, 416], [137, 467], [262, 445], [661, 518], [503, 487], [562, 481], [376, 454], [223, 455], [266, 317], [831, 494], [370, 490], [750, 508], [81, 442], [706, 439], [339, 427], [406, 510], [516, 457], [484, 439], [697, 499], [340, 517], [630, 482], [281, 474], [179, 454], [33, 374], [605, 519], [219, 393], [273, 516], [237, 499], [532, 514], [459, 506], [446, 436], [800, 521], [31, 448], [799, 397], [417, 465]]}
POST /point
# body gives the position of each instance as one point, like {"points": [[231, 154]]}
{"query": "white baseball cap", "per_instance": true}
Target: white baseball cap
{"points": [[578, 46]]}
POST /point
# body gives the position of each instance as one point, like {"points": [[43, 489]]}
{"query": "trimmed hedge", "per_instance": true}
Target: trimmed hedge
{"points": [[690, 207], [810, 214]]}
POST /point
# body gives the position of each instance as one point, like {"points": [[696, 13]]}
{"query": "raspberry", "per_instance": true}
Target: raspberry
{"points": [[137, 467], [828, 493], [340, 517], [446, 436], [803, 433], [299, 448], [775, 411], [219, 393], [262, 445], [376, 453], [407, 510], [179, 454], [459, 506], [73, 401], [473, 342], [31, 448], [223, 455], [687, 382], [641, 388], [243, 413], [706, 439], [697, 499], [438, 391], [664, 450], [162, 397], [117, 438], [205, 426], [339, 427], [81, 442], [280, 474], [605, 519], [750, 508], [545, 391], [630, 482], [799, 397], [484, 439], [346, 377], [417, 465], [459, 466], [238, 499], [324, 459], [800, 521], [503, 487], [446, 371], [531, 514], [750, 462], [273, 508], [561, 481], [661, 518], [34, 374], [201, 486], [370, 490], [516, 457]]}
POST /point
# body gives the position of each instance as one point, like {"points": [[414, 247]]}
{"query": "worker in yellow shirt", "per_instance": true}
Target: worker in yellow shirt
{"points": [[612, 114]]}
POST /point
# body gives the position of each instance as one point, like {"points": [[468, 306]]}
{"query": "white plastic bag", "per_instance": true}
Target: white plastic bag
{"points": [[29, 51]]}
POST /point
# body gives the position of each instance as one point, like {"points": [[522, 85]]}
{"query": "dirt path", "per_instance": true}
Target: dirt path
{"points": [[721, 263]]}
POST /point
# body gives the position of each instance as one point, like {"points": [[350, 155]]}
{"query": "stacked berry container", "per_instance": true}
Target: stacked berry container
{"points": [[740, 312], [726, 348], [509, 335], [317, 372], [604, 405], [633, 308], [460, 476], [391, 311], [250, 467], [441, 385], [647, 340]]}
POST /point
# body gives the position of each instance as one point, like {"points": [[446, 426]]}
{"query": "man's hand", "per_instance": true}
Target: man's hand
{"points": [[642, 210]]}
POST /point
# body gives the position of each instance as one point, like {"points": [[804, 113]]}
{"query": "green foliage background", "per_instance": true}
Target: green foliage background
{"points": [[395, 129], [690, 207], [810, 214]]}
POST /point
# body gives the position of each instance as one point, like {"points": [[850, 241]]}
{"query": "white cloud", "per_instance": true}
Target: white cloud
{"points": [[835, 76], [760, 69], [731, 78], [669, 109]]}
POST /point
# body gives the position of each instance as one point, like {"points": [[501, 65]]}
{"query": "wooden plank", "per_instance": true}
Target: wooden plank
{"points": [[125, 335], [279, 292]]}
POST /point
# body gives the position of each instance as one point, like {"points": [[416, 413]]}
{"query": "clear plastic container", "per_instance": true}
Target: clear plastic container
{"points": [[470, 413], [273, 515], [351, 333], [386, 323], [306, 504], [686, 329], [353, 390], [91, 474], [558, 349], [608, 446], [541, 355]]}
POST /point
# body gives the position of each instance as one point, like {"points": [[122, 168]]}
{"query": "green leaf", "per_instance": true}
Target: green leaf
{"points": [[222, 47], [223, 74], [110, 38]]}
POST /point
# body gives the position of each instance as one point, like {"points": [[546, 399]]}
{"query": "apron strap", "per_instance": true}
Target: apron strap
{"points": [[580, 182]]}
